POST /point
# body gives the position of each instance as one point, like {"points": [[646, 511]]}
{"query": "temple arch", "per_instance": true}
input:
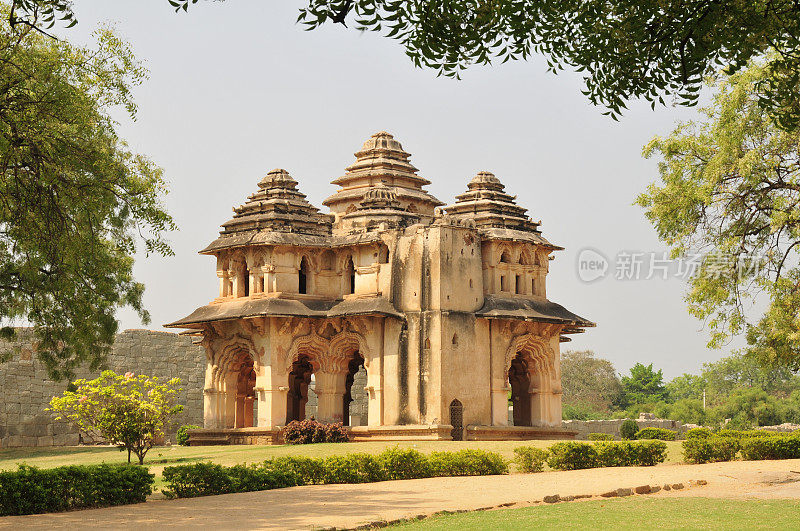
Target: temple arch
{"points": [[530, 370]]}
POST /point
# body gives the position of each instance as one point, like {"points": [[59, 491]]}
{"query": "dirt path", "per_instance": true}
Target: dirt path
{"points": [[347, 506]]}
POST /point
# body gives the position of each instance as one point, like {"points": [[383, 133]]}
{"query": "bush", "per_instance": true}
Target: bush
{"points": [[530, 459], [631, 453], [467, 463], [310, 431], [758, 448], [405, 463], [628, 429], [698, 433], [747, 434], [662, 434], [30, 490], [572, 456], [353, 468], [308, 470], [600, 437], [710, 449], [182, 437], [206, 479]]}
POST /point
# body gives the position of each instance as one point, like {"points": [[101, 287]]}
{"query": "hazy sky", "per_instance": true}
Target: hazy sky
{"points": [[237, 88]]}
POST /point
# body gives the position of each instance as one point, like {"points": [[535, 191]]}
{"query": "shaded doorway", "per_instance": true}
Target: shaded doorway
{"points": [[520, 381], [245, 395], [299, 380], [354, 393], [457, 420]]}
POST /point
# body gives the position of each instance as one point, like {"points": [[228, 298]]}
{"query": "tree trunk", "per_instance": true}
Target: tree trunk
{"points": [[129, 456]]}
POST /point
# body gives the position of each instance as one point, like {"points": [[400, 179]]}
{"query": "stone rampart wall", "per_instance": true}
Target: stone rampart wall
{"points": [[26, 390], [585, 427]]}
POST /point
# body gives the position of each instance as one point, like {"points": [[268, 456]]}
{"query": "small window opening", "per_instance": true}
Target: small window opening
{"points": [[533, 287], [427, 344], [470, 282], [518, 285], [351, 276], [502, 283], [303, 276], [246, 281], [455, 339], [504, 258]]}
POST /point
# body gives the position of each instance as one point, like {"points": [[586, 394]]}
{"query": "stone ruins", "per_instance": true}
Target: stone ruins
{"points": [[439, 313]]}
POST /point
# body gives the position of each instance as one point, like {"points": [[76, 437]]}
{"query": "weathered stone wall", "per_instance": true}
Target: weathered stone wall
{"points": [[26, 390], [585, 427], [359, 407]]}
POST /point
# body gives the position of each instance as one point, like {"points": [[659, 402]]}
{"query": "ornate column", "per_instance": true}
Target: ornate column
{"points": [[499, 397], [211, 408], [229, 401], [330, 390]]}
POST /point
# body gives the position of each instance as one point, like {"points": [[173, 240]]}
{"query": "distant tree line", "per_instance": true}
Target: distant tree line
{"points": [[736, 388]]}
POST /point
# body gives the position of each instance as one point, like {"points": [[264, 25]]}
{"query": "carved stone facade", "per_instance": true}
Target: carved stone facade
{"points": [[445, 309]]}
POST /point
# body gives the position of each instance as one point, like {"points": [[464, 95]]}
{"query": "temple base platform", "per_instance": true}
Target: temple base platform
{"points": [[410, 432]]}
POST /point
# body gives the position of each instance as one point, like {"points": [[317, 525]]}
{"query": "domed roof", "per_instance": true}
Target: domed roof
{"points": [[277, 206], [487, 203], [380, 196], [485, 180], [382, 159], [278, 178], [381, 140]]}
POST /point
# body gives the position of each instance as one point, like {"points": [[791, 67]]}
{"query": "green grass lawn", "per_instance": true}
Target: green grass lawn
{"points": [[629, 513], [162, 456]]}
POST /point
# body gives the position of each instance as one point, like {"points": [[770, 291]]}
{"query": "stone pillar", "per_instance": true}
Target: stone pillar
{"points": [[248, 411], [239, 419], [223, 283], [500, 406], [330, 390], [211, 408], [229, 406], [537, 407]]}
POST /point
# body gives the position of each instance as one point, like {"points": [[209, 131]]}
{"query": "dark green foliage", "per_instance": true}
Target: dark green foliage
{"points": [[628, 429], [31, 490], [629, 453], [780, 447], [405, 463], [698, 433], [205, 479], [600, 437], [310, 431], [467, 463], [747, 434], [644, 385], [76, 201], [625, 49], [308, 470], [572, 456], [661, 434], [182, 437], [530, 459], [710, 449], [353, 468]]}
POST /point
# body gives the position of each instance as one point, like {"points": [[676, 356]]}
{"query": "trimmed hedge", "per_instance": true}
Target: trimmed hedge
{"points": [[698, 433], [205, 479], [182, 437], [748, 434], [310, 431], [710, 449], [600, 437], [578, 455], [661, 434], [629, 453], [758, 448], [530, 459], [628, 429], [31, 490]]}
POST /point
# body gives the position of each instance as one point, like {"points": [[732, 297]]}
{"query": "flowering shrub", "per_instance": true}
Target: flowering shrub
{"points": [[310, 431], [127, 410]]}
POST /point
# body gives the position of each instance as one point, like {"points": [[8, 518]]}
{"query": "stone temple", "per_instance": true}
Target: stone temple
{"points": [[439, 313]]}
